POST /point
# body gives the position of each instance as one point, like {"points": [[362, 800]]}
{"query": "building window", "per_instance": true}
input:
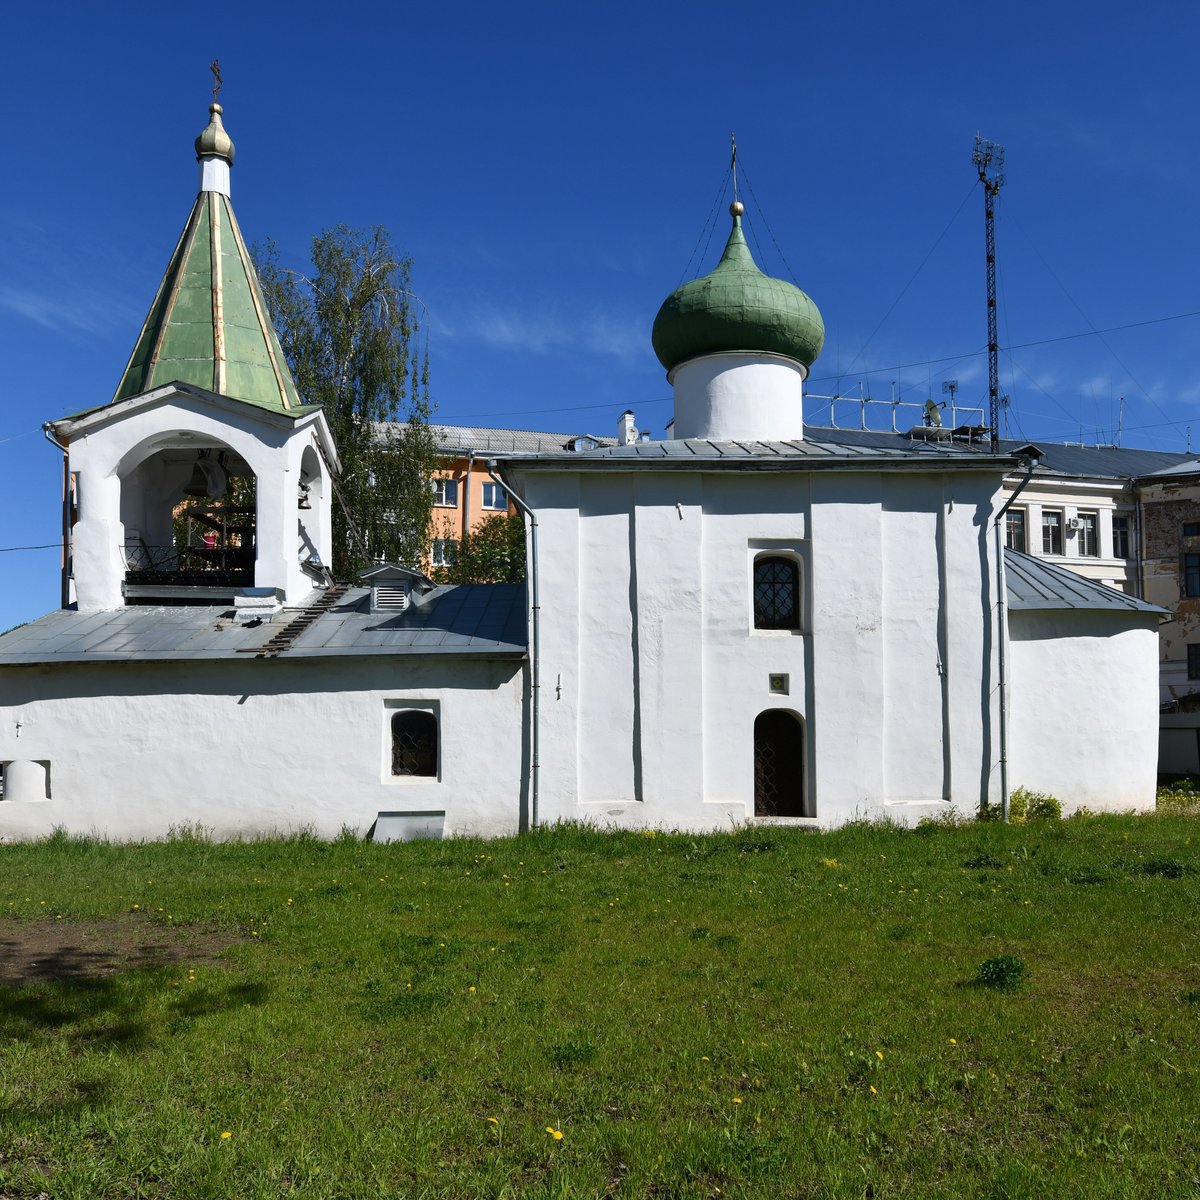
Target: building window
{"points": [[778, 764], [494, 499], [1191, 574], [443, 552], [1014, 528], [415, 743], [776, 592], [1194, 661], [1191, 529], [445, 492], [1089, 545], [1120, 537], [1052, 531]]}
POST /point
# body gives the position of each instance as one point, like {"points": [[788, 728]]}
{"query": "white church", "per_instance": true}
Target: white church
{"points": [[741, 624]]}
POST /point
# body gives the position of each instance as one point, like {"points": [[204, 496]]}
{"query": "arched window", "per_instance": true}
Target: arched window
{"points": [[414, 743], [778, 764], [776, 592]]}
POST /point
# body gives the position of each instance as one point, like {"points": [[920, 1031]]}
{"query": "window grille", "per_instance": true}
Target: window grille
{"points": [[414, 743], [778, 765], [776, 593]]}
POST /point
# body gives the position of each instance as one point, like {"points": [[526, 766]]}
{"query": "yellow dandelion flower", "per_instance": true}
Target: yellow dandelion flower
{"points": [[874, 1092], [470, 989], [226, 1134], [704, 1058], [493, 1121], [832, 863], [954, 1041], [879, 1055], [737, 1099], [556, 1134]]}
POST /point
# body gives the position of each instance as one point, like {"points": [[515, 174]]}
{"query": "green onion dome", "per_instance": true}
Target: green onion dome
{"points": [[737, 308]]}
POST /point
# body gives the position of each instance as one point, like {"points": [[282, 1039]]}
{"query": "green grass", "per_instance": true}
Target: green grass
{"points": [[762, 1013]]}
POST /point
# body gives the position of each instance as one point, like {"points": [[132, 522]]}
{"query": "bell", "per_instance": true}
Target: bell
{"points": [[198, 484], [305, 502]]}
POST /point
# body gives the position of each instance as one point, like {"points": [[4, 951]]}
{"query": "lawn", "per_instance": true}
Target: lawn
{"points": [[572, 1013]]}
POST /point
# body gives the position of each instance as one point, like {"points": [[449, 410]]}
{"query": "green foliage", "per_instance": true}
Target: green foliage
{"points": [[768, 1012], [494, 553], [1027, 805], [349, 333], [1178, 796], [1002, 972]]}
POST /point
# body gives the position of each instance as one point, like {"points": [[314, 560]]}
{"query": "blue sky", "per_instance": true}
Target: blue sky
{"points": [[551, 169]]}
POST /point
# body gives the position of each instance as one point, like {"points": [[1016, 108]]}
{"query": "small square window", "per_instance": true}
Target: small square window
{"points": [[1014, 524], [1052, 531], [779, 684], [1194, 661], [1120, 531], [445, 492], [1088, 545], [1191, 575], [1191, 529], [443, 552], [494, 499]]}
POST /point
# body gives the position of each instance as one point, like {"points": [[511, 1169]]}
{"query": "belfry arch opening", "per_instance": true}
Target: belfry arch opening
{"points": [[189, 513], [780, 766]]}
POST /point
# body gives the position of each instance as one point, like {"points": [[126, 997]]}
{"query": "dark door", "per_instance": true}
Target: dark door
{"points": [[778, 765]]}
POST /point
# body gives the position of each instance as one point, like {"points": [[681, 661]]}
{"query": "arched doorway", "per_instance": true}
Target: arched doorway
{"points": [[778, 764]]}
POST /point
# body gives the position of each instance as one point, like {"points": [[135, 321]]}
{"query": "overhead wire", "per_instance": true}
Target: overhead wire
{"points": [[707, 228], [912, 279]]}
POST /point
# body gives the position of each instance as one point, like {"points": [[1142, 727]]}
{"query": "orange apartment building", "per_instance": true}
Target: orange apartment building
{"points": [[463, 492]]}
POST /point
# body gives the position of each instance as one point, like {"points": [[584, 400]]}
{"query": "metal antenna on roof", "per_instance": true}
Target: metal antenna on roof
{"points": [[988, 158]]}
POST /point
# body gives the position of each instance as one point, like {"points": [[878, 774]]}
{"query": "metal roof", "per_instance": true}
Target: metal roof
{"points": [[1033, 584], [1111, 461], [809, 452], [481, 620], [453, 439]]}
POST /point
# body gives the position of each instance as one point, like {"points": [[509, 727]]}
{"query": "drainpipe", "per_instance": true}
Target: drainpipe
{"points": [[66, 514], [535, 665], [466, 516], [1029, 460]]}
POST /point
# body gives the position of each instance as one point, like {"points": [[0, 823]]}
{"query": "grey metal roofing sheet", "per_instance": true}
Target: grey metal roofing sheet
{"points": [[451, 438], [1034, 584], [484, 620], [701, 452]]}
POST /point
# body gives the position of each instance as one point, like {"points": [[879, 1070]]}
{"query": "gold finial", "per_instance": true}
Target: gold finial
{"points": [[736, 208], [217, 80]]}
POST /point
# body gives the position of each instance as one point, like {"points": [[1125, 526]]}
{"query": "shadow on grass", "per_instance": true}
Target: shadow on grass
{"points": [[119, 1011]]}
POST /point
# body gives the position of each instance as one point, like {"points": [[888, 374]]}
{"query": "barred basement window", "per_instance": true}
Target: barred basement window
{"points": [[776, 592], [415, 743]]}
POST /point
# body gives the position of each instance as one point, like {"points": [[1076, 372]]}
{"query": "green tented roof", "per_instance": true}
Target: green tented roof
{"points": [[209, 325], [737, 307]]}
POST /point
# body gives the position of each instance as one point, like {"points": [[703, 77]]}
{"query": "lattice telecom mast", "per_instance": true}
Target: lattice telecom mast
{"points": [[989, 159]]}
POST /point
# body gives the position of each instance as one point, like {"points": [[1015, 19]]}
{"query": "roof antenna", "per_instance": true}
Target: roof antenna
{"points": [[217, 80]]}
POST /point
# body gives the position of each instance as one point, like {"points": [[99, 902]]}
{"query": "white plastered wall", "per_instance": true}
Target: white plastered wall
{"points": [[739, 396], [106, 456], [249, 747], [1083, 707], [653, 675]]}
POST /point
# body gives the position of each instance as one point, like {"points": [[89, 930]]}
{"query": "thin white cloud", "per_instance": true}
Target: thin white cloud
{"points": [[546, 333], [80, 314]]}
